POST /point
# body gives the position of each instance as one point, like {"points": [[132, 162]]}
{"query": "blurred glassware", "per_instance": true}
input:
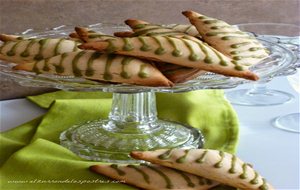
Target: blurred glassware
{"points": [[286, 35], [290, 122]]}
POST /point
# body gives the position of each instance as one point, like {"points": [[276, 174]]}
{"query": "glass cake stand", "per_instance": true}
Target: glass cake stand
{"points": [[132, 123]]}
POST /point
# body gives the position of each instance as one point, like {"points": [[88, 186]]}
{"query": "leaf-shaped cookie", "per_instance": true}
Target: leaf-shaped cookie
{"points": [[28, 50], [177, 73], [87, 35], [229, 40], [216, 165], [154, 177], [143, 28], [97, 66], [184, 52]]}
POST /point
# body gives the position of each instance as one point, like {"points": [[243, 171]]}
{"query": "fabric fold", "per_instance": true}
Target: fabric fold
{"points": [[31, 151]]}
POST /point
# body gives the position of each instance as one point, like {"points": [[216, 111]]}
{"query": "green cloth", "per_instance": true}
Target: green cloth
{"points": [[31, 157]]}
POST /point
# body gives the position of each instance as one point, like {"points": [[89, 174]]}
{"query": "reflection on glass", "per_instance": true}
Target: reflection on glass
{"points": [[290, 122]]}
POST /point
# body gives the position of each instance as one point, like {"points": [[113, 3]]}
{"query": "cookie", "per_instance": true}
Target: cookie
{"points": [[143, 28], [177, 73], [28, 50], [154, 177], [101, 67], [216, 165], [184, 52], [87, 35], [6, 37], [228, 39]]}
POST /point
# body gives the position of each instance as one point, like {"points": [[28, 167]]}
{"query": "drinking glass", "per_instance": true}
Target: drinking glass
{"points": [[290, 122]]}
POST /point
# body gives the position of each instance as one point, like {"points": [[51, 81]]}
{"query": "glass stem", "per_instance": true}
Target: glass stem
{"points": [[260, 87], [133, 109]]}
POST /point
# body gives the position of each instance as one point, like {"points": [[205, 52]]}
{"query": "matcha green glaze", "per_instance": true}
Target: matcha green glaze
{"points": [[186, 178], [219, 27], [220, 164], [160, 50], [222, 61], [264, 185], [217, 33], [166, 33], [36, 69], [136, 168], [57, 47], [202, 157], [255, 179], [193, 56], [76, 70], [244, 174], [42, 43], [164, 176], [110, 48], [233, 37], [90, 71], [182, 159], [210, 21], [59, 68], [256, 48], [115, 167], [249, 56], [25, 53], [139, 26], [107, 75], [202, 17], [232, 169], [188, 28], [207, 59], [176, 52], [240, 44], [146, 31], [166, 155], [46, 66], [145, 46], [12, 51], [127, 46], [125, 62], [239, 67], [142, 73]]}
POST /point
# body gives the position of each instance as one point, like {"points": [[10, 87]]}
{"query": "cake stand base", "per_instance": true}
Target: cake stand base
{"points": [[132, 125], [105, 141]]}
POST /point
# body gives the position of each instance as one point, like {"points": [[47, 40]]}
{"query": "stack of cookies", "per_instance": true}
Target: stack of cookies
{"points": [[186, 169], [149, 55]]}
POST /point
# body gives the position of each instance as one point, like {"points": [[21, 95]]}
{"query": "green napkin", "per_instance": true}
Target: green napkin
{"points": [[31, 157]]}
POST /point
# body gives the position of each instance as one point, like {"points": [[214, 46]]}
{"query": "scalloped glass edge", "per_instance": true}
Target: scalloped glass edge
{"points": [[279, 60]]}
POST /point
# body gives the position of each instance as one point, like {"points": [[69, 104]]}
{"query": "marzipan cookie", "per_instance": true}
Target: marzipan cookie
{"points": [[97, 66], [20, 50], [87, 35], [212, 164], [227, 39], [143, 28], [184, 52], [177, 73], [154, 177]]}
